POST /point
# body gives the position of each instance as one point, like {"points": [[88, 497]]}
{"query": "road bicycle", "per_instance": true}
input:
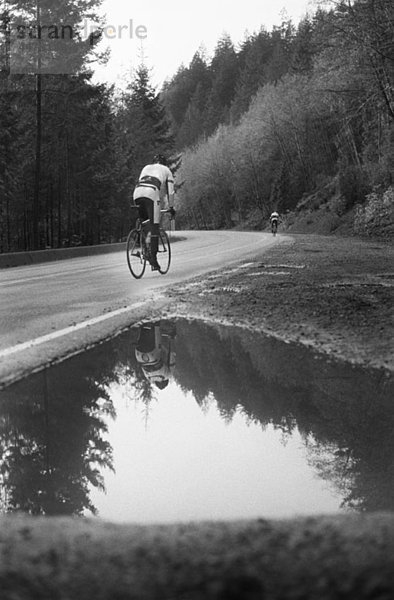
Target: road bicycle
{"points": [[138, 248], [274, 226]]}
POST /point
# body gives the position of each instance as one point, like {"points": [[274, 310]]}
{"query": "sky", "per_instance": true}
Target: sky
{"points": [[167, 34]]}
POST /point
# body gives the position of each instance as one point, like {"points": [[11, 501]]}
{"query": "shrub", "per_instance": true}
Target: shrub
{"points": [[376, 216], [339, 205], [353, 185]]}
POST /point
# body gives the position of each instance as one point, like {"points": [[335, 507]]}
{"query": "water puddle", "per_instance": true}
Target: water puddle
{"points": [[181, 421]]}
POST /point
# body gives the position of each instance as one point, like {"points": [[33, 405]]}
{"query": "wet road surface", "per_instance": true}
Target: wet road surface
{"points": [[53, 308]]}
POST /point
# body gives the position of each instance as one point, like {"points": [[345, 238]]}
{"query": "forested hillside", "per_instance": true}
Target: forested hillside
{"points": [[295, 117], [300, 116]]}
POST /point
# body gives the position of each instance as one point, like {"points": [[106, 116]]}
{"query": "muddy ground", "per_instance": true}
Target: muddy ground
{"points": [[332, 293], [347, 558]]}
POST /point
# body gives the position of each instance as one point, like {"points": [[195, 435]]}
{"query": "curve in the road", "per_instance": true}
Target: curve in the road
{"points": [[51, 310]]}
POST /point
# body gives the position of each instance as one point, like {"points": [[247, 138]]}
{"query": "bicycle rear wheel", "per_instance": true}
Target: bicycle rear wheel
{"points": [[135, 255], [274, 227], [164, 252]]}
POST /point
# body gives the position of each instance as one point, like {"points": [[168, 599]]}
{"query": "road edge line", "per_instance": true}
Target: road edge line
{"points": [[21, 347]]}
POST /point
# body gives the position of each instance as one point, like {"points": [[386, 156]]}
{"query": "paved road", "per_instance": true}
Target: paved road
{"points": [[53, 309]]}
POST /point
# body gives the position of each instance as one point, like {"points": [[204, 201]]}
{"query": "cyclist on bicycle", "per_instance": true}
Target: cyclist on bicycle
{"points": [[274, 220], [155, 184], [155, 354]]}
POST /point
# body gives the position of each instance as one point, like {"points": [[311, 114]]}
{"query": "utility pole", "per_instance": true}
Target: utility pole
{"points": [[37, 174], [5, 47]]}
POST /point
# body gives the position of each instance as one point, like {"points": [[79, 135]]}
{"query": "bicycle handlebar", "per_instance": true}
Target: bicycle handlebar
{"points": [[168, 211], [162, 210]]}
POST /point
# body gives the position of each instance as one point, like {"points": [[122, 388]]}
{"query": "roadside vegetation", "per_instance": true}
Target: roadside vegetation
{"points": [[298, 119]]}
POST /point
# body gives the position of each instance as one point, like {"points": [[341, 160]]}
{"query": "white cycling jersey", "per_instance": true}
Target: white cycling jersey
{"points": [[153, 178], [155, 355], [156, 183]]}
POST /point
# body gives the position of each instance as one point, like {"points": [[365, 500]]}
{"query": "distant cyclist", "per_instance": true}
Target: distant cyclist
{"points": [[274, 220], [156, 183]]}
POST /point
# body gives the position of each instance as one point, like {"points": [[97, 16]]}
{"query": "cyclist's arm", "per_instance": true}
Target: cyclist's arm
{"points": [[170, 188], [170, 192]]}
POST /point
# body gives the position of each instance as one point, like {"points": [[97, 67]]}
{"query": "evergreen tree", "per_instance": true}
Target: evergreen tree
{"points": [[303, 49], [257, 52], [224, 69], [145, 122], [185, 99], [176, 95], [44, 40], [280, 61]]}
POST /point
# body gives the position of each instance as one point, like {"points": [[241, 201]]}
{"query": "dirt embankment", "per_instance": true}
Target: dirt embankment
{"points": [[335, 294], [348, 557]]}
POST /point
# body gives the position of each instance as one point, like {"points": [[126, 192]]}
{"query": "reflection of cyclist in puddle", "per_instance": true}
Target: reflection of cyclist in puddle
{"points": [[155, 354]]}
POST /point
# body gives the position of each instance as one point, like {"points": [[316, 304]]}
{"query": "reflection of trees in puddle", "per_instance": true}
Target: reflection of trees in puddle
{"points": [[53, 425], [356, 454], [51, 438], [332, 464], [345, 415]]}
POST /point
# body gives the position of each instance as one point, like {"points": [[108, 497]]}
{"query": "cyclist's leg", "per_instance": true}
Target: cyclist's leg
{"points": [[145, 214], [143, 211], [148, 201], [155, 225], [146, 208]]}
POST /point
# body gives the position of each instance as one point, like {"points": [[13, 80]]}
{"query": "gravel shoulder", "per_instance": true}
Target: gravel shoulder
{"points": [[333, 294]]}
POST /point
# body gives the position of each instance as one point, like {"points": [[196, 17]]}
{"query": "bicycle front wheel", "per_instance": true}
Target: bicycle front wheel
{"points": [[135, 255], [164, 252]]}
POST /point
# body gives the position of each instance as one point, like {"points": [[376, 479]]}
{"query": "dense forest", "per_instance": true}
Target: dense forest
{"points": [[290, 118], [70, 149]]}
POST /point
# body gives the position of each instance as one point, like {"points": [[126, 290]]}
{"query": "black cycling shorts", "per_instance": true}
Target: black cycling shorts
{"points": [[145, 209]]}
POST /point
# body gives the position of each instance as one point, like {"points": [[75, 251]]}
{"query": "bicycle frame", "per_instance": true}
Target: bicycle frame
{"points": [[138, 251]]}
